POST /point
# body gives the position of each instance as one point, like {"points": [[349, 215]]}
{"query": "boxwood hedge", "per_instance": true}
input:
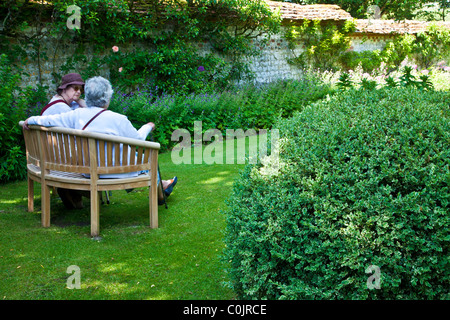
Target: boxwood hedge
{"points": [[362, 179]]}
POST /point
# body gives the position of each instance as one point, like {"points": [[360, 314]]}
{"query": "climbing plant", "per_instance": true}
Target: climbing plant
{"points": [[322, 44], [156, 38]]}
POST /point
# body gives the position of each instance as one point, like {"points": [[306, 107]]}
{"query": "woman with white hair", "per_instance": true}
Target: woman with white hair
{"points": [[97, 118]]}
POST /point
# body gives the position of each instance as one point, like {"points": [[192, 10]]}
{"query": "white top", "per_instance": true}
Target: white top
{"points": [[60, 107], [107, 122]]}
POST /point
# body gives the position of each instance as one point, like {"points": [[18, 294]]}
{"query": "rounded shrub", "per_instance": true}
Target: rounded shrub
{"points": [[361, 183]]}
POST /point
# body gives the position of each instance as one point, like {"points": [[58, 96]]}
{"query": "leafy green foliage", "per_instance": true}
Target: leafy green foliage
{"points": [[164, 35], [248, 107], [327, 48], [425, 48], [369, 60], [344, 81], [15, 103], [431, 46], [390, 82], [361, 179], [323, 43], [396, 51], [11, 155], [408, 79]]}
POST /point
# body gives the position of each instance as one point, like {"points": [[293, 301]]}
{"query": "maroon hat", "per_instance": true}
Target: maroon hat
{"points": [[71, 78]]}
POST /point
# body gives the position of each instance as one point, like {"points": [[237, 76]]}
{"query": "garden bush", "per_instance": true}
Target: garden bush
{"points": [[246, 107], [362, 179], [16, 103], [369, 60]]}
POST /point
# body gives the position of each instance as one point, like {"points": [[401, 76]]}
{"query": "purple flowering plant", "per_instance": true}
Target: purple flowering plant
{"points": [[252, 106]]}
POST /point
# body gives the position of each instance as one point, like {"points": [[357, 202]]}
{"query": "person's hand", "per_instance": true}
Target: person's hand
{"points": [[81, 103], [151, 124], [25, 125]]}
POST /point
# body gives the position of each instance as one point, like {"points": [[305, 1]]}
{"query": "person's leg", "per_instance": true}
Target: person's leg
{"points": [[168, 185], [72, 199], [65, 198], [77, 198]]}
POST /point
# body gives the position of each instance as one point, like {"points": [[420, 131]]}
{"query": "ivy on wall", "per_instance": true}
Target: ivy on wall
{"points": [[167, 30], [322, 43], [327, 47]]}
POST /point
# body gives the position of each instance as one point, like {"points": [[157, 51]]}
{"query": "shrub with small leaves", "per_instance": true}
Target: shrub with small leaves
{"points": [[361, 179], [251, 106]]}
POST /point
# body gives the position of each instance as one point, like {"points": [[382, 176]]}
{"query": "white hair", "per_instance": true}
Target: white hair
{"points": [[98, 92]]}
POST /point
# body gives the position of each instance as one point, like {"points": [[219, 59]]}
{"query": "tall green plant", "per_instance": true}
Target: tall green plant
{"points": [[396, 51], [12, 156], [323, 44], [431, 45]]}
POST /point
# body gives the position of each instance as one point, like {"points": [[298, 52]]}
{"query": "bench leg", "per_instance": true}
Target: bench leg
{"points": [[95, 213], [30, 195], [153, 206], [153, 190], [45, 205]]}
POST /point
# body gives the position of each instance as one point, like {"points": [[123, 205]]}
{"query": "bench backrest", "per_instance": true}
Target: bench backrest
{"points": [[70, 150]]}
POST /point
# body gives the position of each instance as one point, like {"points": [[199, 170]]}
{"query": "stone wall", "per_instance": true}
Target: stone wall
{"points": [[272, 63], [56, 55]]}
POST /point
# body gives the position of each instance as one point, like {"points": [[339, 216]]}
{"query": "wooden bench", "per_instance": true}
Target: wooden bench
{"points": [[73, 159]]}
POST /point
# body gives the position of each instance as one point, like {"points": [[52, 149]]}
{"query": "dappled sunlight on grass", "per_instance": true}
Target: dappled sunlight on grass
{"points": [[112, 267], [224, 173], [13, 197], [159, 296], [212, 180], [13, 201]]}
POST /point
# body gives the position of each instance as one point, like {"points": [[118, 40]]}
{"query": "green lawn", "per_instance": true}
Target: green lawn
{"points": [[179, 260]]}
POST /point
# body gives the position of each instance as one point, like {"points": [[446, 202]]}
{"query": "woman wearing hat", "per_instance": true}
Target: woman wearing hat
{"points": [[67, 97]]}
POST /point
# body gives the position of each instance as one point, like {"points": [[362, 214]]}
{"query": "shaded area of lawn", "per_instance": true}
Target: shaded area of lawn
{"points": [[179, 260]]}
